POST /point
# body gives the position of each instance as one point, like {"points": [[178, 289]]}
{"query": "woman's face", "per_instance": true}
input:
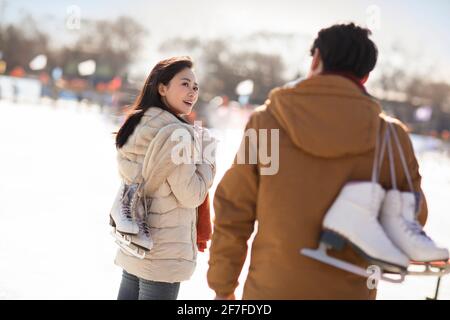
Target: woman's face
{"points": [[181, 93]]}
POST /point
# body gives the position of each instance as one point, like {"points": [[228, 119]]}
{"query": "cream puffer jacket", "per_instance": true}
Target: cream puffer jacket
{"points": [[176, 190]]}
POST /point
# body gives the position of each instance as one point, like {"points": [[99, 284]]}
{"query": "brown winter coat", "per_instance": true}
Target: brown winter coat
{"points": [[327, 137]]}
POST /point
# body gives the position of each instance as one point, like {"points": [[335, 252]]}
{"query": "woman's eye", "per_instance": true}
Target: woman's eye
{"points": [[186, 84], [195, 88]]}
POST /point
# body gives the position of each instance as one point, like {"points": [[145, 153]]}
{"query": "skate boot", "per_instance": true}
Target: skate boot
{"points": [[143, 239], [398, 218], [139, 244], [353, 219], [121, 216]]}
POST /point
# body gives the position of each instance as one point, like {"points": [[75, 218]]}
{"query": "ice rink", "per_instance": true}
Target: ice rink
{"points": [[58, 179]]}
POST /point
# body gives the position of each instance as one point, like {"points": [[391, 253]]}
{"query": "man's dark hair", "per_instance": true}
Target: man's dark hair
{"points": [[346, 48]]}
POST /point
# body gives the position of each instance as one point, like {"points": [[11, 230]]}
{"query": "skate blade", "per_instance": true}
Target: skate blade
{"points": [[131, 251], [120, 237], [142, 247], [333, 240], [433, 268], [321, 255]]}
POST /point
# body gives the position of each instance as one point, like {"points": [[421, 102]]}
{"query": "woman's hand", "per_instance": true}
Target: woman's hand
{"points": [[208, 145]]}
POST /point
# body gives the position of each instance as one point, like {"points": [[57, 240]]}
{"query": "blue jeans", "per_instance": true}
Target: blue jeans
{"points": [[134, 288]]}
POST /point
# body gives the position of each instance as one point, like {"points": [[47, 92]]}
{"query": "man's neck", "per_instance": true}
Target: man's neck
{"points": [[359, 82]]}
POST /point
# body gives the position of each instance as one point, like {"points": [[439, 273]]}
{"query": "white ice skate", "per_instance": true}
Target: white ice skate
{"points": [[139, 244], [399, 219], [131, 249], [353, 219], [122, 212], [143, 239]]}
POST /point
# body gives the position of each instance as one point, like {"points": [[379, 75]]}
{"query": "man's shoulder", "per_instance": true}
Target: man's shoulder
{"points": [[401, 129], [399, 125], [262, 117]]}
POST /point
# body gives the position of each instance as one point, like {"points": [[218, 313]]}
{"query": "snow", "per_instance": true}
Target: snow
{"points": [[58, 180]]}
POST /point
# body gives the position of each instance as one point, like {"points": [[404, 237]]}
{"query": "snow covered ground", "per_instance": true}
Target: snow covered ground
{"points": [[58, 179]]}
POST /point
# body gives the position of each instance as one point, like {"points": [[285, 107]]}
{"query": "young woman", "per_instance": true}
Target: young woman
{"points": [[149, 153]]}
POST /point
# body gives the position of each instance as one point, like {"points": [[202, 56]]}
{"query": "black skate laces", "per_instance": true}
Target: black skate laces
{"points": [[126, 211], [129, 200], [143, 226]]}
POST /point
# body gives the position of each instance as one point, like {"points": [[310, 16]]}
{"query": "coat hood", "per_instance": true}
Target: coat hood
{"points": [[327, 116]]}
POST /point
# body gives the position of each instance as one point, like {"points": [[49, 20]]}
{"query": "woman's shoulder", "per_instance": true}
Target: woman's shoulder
{"points": [[174, 132], [162, 125], [158, 118]]}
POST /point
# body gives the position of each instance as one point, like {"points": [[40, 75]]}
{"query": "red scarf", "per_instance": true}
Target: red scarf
{"points": [[359, 82], [204, 227]]}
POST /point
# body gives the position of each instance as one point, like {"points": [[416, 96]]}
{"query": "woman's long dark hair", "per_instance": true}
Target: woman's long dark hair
{"points": [[163, 72]]}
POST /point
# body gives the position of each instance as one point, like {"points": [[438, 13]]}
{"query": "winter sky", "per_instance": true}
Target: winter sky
{"points": [[420, 27]]}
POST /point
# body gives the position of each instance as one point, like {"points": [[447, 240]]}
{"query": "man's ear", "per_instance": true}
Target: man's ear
{"points": [[162, 89], [317, 60], [316, 64]]}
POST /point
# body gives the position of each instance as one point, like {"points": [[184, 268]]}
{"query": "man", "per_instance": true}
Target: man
{"points": [[327, 131]]}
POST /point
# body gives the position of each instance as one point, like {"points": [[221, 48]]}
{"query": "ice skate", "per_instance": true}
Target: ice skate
{"points": [[399, 219], [132, 249], [121, 237], [143, 239], [353, 219], [121, 216], [400, 224], [139, 244]]}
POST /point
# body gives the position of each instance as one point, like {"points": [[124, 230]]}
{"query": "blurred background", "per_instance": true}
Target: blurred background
{"points": [[68, 70]]}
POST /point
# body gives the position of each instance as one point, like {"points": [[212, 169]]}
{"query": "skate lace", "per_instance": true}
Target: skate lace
{"points": [[143, 227], [416, 230], [128, 202], [126, 211]]}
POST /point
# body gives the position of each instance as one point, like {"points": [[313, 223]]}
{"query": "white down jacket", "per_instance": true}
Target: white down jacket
{"points": [[176, 190]]}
